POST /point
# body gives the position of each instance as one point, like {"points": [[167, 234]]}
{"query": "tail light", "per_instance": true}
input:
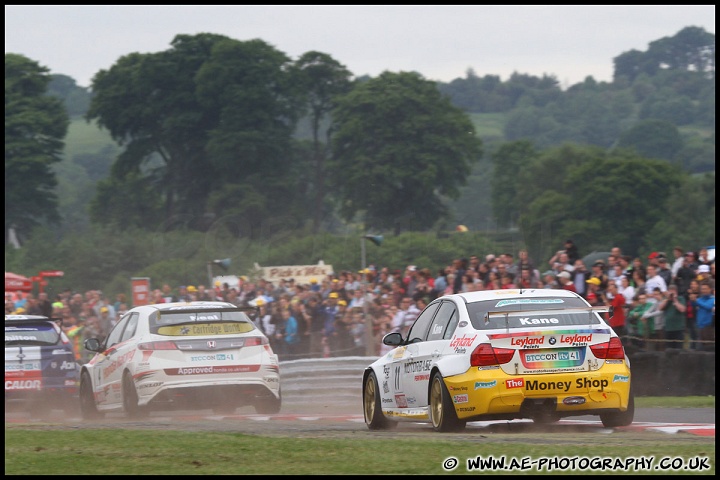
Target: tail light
{"points": [[484, 355], [164, 345], [611, 349], [255, 341]]}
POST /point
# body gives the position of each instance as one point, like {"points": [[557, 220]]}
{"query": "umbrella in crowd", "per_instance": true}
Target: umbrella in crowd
{"points": [[17, 283]]}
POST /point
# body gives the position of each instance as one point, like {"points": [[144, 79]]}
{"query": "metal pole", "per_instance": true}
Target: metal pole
{"points": [[362, 243], [209, 269]]}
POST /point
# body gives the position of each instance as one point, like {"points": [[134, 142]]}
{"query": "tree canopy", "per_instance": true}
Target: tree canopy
{"points": [[35, 126], [400, 149]]}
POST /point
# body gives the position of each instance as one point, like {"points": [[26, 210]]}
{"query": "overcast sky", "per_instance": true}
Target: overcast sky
{"points": [[438, 41]]}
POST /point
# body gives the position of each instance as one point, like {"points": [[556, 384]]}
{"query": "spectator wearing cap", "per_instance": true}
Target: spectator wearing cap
{"points": [[594, 293], [330, 311], [106, 320], [549, 281], [192, 293], [337, 286], [314, 285], [565, 281], [410, 279], [705, 276], [598, 271]]}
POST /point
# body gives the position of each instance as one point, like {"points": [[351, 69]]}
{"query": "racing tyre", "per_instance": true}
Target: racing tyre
{"points": [[269, 405], [88, 408], [442, 410], [130, 398], [374, 418], [620, 419]]}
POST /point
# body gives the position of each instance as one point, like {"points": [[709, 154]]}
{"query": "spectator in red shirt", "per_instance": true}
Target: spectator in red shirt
{"points": [[613, 298]]}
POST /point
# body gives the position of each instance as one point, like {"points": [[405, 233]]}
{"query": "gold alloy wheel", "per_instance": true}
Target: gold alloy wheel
{"points": [[369, 399], [436, 404]]}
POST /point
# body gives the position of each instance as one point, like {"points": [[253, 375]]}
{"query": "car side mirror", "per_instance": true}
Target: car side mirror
{"points": [[393, 339], [92, 344]]}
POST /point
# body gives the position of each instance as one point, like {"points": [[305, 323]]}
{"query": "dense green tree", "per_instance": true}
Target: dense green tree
{"points": [[75, 98], [322, 79], [597, 198], [508, 161], [207, 112], [399, 150], [653, 138], [35, 125]]}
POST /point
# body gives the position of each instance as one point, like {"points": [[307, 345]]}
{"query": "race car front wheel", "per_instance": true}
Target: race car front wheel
{"points": [[88, 409], [442, 410], [374, 418]]}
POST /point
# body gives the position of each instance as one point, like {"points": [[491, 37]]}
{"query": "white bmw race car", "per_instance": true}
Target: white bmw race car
{"points": [[181, 355], [498, 355]]}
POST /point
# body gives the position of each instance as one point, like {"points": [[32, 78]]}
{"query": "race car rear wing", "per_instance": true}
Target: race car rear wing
{"points": [[545, 313]]}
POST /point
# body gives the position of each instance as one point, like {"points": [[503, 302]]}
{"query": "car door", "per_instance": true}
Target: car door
{"points": [[415, 366], [109, 368]]}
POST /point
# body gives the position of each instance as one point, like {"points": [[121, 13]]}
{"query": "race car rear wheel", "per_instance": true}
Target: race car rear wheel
{"points": [[269, 405], [374, 418], [88, 408], [442, 410], [620, 419], [130, 397]]}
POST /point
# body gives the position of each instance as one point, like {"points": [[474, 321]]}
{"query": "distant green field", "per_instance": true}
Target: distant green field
{"points": [[86, 138], [489, 125]]}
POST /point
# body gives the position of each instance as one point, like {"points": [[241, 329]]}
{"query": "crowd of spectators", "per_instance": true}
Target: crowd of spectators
{"points": [[658, 302]]}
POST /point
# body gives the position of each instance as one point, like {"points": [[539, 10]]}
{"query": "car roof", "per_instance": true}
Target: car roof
{"points": [[177, 306], [20, 318], [478, 296]]}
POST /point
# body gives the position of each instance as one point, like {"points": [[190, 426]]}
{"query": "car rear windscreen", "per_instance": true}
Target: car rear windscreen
{"points": [[31, 335], [544, 311], [178, 323]]}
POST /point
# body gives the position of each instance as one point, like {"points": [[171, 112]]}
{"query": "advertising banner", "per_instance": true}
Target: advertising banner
{"points": [[140, 291], [300, 273]]}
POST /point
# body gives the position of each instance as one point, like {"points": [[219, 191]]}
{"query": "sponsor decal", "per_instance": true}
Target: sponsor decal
{"points": [[411, 400], [13, 367], [491, 384], [526, 341], [68, 365], [209, 370], [437, 329], [564, 386], [621, 378], [117, 363], [466, 409], [489, 367], [400, 400], [462, 324], [574, 400], [538, 321], [460, 398], [576, 339], [422, 377], [527, 301], [418, 366], [454, 388], [271, 379], [21, 338], [228, 328], [552, 340], [23, 385], [386, 371], [386, 389], [399, 352], [547, 359], [149, 385], [515, 383], [464, 341], [217, 356], [387, 400], [460, 350], [614, 360], [146, 355]]}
